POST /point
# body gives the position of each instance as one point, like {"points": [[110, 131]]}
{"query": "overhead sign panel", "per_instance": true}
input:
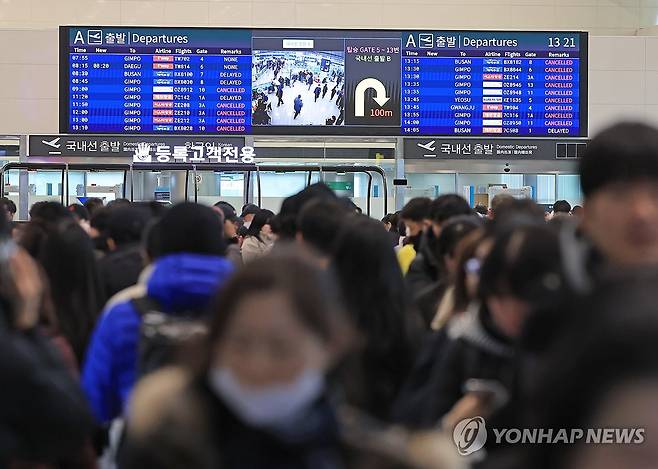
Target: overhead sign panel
{"points": [[145, 148], [433, 148], [322, 82]]}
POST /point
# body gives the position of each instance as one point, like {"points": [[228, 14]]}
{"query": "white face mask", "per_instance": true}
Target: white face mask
{"points": [[408, 231], [247, 224], [271, 407]]}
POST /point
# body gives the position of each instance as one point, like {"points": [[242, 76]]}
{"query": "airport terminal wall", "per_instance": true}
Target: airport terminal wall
{"points": [[29, 80]]}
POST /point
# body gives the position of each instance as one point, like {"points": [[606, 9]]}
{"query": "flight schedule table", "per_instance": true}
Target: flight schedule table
{"points": [[491, 84], [137, 82]]}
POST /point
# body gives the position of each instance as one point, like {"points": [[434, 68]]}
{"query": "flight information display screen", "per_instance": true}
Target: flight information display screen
{"points": [[322, 82]]}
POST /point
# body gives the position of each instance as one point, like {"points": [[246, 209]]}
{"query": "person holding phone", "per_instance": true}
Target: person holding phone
{"points": [[520, 274]]}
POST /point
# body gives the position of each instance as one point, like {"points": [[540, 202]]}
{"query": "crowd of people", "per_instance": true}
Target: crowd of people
{"points": [[137, 335]]}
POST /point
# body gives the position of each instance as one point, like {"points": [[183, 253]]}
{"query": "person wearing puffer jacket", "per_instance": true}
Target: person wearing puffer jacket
{"points": [[189, 269]]}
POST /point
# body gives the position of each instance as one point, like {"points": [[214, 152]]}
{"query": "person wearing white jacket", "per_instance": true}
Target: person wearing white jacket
{"points": [[259, 239]]}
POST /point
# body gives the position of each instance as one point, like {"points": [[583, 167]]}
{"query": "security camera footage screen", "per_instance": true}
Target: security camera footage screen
{"points": [[322, 82]]}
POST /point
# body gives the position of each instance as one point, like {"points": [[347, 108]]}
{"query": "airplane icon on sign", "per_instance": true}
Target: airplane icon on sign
{"points": [[55, 144], [429, 146], [426, 40], [94, 36]]}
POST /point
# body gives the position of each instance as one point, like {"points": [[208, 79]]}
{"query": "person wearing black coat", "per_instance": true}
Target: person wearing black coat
{"points": [[426, 278], [121, 267], [279, 95], [410, 408], [222, 439], [43, 416], [521, 274], [475, 349]]}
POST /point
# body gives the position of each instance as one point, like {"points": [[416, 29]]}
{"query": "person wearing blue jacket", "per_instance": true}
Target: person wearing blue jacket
{"points": [[188, 271], [298, 105]]}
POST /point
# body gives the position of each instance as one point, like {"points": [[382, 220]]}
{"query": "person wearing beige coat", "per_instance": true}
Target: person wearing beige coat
{"points": [[259, 239]]}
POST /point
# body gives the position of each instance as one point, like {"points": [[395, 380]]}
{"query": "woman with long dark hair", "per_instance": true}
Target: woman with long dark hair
{"points": [[67, 256], [374, 292], [259, 239]]}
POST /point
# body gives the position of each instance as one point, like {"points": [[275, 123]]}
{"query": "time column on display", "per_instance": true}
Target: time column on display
{"points": [[411, 95], [442, 95], [79, 92], [109, 93]]}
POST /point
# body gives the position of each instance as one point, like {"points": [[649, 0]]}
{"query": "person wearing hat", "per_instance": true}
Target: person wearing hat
{"points": [[249, 211], [231, 224]]}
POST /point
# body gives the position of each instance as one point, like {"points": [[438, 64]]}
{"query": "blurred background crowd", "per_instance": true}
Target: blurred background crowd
{"points": [[145, 335]]}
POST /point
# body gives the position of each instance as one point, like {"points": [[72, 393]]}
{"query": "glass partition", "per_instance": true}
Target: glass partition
{"points": [[163, 186], [545, 189], [213, 186], [42, 185], [430, 185], [106, 185], [568, 188], [275, 186]]}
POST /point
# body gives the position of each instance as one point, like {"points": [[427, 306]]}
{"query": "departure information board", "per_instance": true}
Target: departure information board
{"points": [[322, 82]]}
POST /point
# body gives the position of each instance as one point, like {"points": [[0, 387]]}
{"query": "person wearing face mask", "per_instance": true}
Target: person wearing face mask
{"points": [[249, 211], [259, 238], [260, 400], [428, 274]]}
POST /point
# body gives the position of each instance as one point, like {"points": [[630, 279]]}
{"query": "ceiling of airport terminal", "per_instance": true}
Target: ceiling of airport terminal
{"points": [[600, 17]]}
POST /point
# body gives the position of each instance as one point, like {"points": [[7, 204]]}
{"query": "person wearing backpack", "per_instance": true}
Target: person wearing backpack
{"points": [[189, 268]]}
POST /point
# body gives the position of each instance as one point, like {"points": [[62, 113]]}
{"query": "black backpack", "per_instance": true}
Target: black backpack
{"points": [[162, 335]]}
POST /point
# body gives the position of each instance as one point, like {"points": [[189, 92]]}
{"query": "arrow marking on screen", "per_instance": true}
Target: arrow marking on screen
{"points": [[360, 95]]}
